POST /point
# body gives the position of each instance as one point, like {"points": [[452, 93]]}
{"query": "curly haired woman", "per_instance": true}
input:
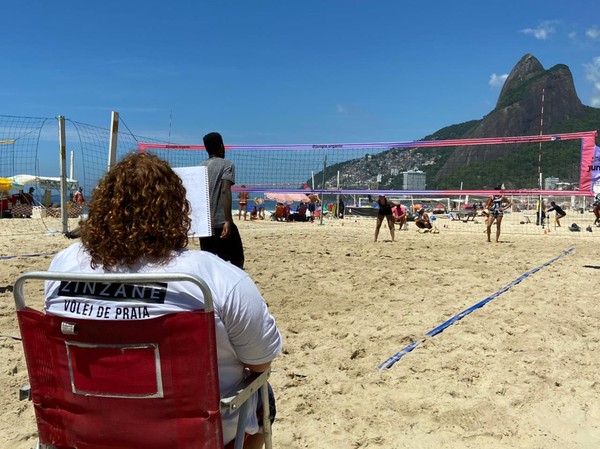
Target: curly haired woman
{"points": [[138, 223]]}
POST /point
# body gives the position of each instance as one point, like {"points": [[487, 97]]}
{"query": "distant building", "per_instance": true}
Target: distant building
{"points": [[564, 186], [550, 183], [413, 180]]}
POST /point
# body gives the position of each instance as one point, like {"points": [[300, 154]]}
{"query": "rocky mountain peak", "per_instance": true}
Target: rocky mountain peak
{"points": [[527, 68], [518, 111]]}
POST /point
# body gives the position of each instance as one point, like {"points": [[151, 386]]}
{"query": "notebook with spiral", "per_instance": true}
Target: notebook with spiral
{"points": [[195, 181]]}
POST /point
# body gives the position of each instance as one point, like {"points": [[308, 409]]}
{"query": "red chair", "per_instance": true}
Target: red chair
{"points": [[149, 384]]}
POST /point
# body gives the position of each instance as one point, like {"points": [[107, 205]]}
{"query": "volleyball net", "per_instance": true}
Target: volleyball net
{"points": [[453, 186], [569, 164], [443, 174]]}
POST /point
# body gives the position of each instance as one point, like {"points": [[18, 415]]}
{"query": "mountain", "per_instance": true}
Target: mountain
{"points": [[518, 112]]}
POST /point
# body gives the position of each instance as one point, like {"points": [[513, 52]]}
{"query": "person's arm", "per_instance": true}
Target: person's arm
{"points": [[226, 199], [258, 368], [251, 328], [508, 203]]}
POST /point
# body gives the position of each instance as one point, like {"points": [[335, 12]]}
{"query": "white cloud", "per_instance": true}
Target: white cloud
{"points": [[497, 80], [543, 30], [592, 73], [339, 109], [593, 33]]}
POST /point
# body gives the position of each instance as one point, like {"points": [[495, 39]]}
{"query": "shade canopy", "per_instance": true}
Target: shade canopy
{"points": [[287, 197]]}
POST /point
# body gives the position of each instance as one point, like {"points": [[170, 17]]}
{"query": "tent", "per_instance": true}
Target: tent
{"points": [[44, 182]]}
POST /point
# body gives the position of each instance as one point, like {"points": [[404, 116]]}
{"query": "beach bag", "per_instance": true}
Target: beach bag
{"points": [[574, 228]]}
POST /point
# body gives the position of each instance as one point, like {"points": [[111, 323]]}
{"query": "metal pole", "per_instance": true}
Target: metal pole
{"points": [[337, 198], [114, 137], [62, 150], [323, 189], [72, 168], [540, 160]]}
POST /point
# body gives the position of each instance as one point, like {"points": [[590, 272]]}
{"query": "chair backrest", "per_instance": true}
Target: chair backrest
{"points": [[149, 383]]}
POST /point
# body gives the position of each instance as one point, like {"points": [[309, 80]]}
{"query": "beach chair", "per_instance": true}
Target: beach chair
{"points": [[149, 384]]}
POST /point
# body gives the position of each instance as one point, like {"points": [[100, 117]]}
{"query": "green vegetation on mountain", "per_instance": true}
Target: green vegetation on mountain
{"points": [[527, 90]]}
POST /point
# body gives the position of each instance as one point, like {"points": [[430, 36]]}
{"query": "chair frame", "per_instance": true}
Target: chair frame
{"points": [[233, 401]]}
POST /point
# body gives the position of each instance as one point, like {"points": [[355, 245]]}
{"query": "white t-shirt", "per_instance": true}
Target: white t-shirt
{"points": [[246, 331]]}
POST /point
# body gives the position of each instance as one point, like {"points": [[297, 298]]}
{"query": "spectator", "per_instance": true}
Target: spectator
{"points": [[154, 240], [423, 222], [78, 197], [400, 215], [27, 198]]}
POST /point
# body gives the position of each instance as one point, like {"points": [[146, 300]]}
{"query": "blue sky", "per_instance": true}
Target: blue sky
{"points": [[270, 72]]}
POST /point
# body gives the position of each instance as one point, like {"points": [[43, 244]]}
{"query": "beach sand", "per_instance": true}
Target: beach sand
{"points": [[519, 372]]}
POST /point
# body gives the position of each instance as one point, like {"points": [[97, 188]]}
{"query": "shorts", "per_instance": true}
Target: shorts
{"points": [[229, 249], [272, 407]]}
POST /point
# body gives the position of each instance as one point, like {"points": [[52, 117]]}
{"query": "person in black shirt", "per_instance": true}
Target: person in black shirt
{"points": [[560, 213], [385, 211]]}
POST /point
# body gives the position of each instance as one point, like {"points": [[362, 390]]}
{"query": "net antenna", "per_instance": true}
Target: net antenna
{"points": [[170, 124], [541, 217]]}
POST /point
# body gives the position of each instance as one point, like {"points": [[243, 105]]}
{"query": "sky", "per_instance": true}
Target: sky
{"points": [[284, 71]]}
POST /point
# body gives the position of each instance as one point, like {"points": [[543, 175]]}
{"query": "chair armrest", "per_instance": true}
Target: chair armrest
{"points": [[241, 392]]}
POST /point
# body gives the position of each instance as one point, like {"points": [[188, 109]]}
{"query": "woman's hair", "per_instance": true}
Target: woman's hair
{"points": [[138, 212]]}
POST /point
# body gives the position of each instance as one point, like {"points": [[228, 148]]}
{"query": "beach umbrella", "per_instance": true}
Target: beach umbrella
{"points": [[9, 183], [286, 197], [24, 179]]}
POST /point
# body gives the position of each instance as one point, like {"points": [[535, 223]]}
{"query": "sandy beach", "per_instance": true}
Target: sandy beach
{"points": [[519, 372]]}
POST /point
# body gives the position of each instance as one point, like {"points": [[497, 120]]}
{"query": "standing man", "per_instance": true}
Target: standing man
{"points": [[225, 240]]}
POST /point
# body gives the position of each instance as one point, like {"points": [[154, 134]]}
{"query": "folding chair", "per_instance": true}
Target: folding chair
{"points": [[149, 384]]}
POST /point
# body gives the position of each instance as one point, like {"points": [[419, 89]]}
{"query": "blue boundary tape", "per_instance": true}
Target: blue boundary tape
{"points": [[393, 359]]}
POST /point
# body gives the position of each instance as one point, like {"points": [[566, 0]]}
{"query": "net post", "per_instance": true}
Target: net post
{"points": [[323, 191], [114, 137], [62, 144]]}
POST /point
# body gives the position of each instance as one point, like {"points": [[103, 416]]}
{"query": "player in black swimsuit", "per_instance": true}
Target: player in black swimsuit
{"points": [[496, 204], [385, 211]]}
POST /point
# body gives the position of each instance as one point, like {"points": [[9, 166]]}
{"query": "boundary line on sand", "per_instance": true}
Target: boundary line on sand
{"points": [[26, 255], [393, 359]]}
